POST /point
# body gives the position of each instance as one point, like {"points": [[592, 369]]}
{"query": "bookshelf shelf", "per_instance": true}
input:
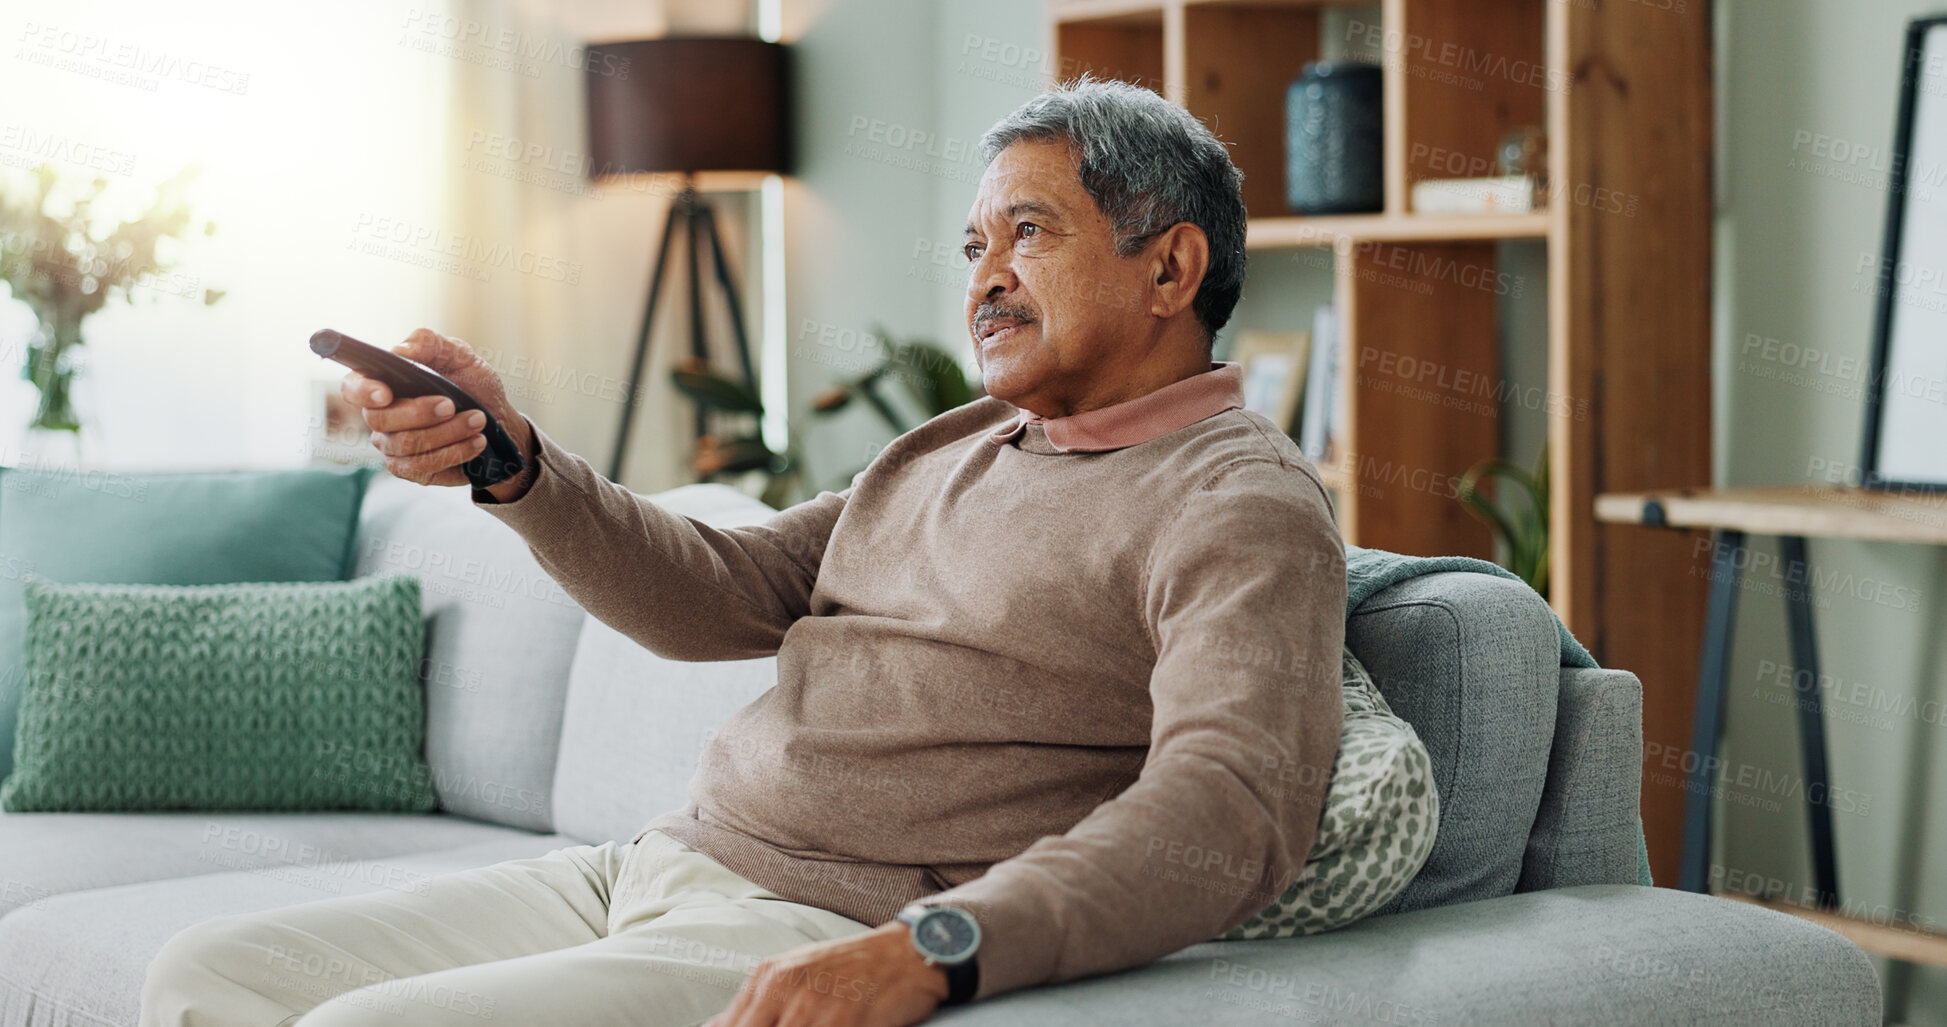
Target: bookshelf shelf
{"points": [[1084, 10], [1623, 91], [1066, 11], [1271, 233]]}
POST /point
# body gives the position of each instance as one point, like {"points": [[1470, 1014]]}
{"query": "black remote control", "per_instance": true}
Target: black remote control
{"points": [[407, 378]]}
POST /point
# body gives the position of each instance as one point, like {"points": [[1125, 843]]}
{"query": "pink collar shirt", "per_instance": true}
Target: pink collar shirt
{"points": [[1118, 425]]}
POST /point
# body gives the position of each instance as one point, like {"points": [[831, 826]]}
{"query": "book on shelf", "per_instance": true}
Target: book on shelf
{"points": [[1321, 422], [1275, 365], [1506, 194]]}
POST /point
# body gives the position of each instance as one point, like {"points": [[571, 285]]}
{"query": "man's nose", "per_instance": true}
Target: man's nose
{"points": [[991, 277]]}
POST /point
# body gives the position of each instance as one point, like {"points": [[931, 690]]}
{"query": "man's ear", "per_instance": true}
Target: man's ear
{"points": [[1179, 259]]}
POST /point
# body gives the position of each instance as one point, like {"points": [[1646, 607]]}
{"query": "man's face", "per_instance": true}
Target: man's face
{"points": [[1052, 310]]}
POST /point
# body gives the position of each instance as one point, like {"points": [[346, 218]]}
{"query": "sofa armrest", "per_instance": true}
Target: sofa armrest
{"points": [[1600, 954], [1588, 828]]}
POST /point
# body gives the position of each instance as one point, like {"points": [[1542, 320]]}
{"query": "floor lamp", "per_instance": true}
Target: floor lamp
{"points": [[681, 106]]}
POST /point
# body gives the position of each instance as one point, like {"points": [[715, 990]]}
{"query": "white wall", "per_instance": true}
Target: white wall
{"points": [[303, 143], [851, 209], [1790, 239], [990, 58], [564, 342], [890, 121]]}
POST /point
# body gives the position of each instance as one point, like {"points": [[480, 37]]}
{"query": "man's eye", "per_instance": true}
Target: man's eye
{"points": [[1029, 230], [972, 250]]}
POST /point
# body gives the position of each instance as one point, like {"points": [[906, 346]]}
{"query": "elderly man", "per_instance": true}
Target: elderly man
{"points": [[1045, 645]]}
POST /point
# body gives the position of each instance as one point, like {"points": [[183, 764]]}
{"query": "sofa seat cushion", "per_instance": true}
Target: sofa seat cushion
{"points": [[48, 854], [1600, 954], [80, 958]]}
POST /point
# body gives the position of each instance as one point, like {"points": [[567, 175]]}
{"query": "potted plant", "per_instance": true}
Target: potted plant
{"points": [[930, 375], [1523, 531], [66, 255]]}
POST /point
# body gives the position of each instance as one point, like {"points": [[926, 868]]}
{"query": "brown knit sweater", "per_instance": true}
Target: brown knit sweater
{"points": [[1077, 676]]}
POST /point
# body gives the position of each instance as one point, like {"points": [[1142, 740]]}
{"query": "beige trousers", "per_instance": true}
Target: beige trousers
{"points": [[643, 934]]}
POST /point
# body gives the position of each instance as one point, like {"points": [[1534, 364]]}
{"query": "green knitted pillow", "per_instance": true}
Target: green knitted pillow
{"points": [[277, 696], [1376, 830]]}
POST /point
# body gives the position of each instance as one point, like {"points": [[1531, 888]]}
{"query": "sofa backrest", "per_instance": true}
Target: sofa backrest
{"points": [[1473, 662], [635, 725], [635, 722], [502, 658], [500, 635], [1470, 661]]}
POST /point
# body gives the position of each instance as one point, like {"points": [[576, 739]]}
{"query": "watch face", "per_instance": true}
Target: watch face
{"points": [[947, 935]]}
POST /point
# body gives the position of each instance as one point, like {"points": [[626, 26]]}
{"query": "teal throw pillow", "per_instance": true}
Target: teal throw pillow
{"points": [[262, 696], [81, 524]]}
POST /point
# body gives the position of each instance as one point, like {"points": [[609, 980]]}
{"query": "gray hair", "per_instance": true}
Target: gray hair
{"points": [[1149, 165]]}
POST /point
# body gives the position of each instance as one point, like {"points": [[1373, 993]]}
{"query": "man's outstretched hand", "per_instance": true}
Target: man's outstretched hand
{"points": [[875, 979], [423, 438]]}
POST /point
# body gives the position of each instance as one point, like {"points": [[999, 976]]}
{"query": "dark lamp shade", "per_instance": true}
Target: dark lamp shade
{"points": [[688, 104]]}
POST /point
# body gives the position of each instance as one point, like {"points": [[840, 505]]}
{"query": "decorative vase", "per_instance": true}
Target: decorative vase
{"points": [[48, 448], [1334, 139], [51, 367], [53, 436]]}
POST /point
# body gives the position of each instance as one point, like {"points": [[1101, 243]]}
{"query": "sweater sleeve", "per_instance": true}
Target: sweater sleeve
{"points": [[1245, 601], [681, 588]]}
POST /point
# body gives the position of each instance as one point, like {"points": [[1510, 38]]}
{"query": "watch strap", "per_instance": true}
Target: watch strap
{"points": [[962, 980]]}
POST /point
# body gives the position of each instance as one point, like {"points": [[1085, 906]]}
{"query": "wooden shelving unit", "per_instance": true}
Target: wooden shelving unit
{"points": [[1623, 90]]}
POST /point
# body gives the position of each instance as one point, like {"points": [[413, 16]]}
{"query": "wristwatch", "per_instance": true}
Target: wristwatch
{"points": [[947, 936]]}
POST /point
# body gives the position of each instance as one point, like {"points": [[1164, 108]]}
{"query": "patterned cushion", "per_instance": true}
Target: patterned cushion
{"points": [[1376, 830], [272, 696]]}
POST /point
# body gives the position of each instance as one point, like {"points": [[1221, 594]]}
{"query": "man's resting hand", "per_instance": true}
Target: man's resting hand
{"points": [[422, 438], [875, 979]]}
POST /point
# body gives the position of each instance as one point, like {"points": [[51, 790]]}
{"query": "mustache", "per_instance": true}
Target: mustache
{"points": [[993, 311]]}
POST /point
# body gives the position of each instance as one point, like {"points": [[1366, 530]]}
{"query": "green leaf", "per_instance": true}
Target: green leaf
{"points": [[747, 454], [868, 390], [717, 392], [1526, 535], [1527, 540], [929, 373], [777, 491], [1487, 512], [832, 400], [935, 378]]}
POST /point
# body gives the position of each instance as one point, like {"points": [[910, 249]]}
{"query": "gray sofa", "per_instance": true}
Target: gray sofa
{"points": [[546, 729]]}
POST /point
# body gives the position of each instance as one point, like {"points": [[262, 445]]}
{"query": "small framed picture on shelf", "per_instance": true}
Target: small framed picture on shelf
{"points": [[335, 431], [1274, 365]]}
